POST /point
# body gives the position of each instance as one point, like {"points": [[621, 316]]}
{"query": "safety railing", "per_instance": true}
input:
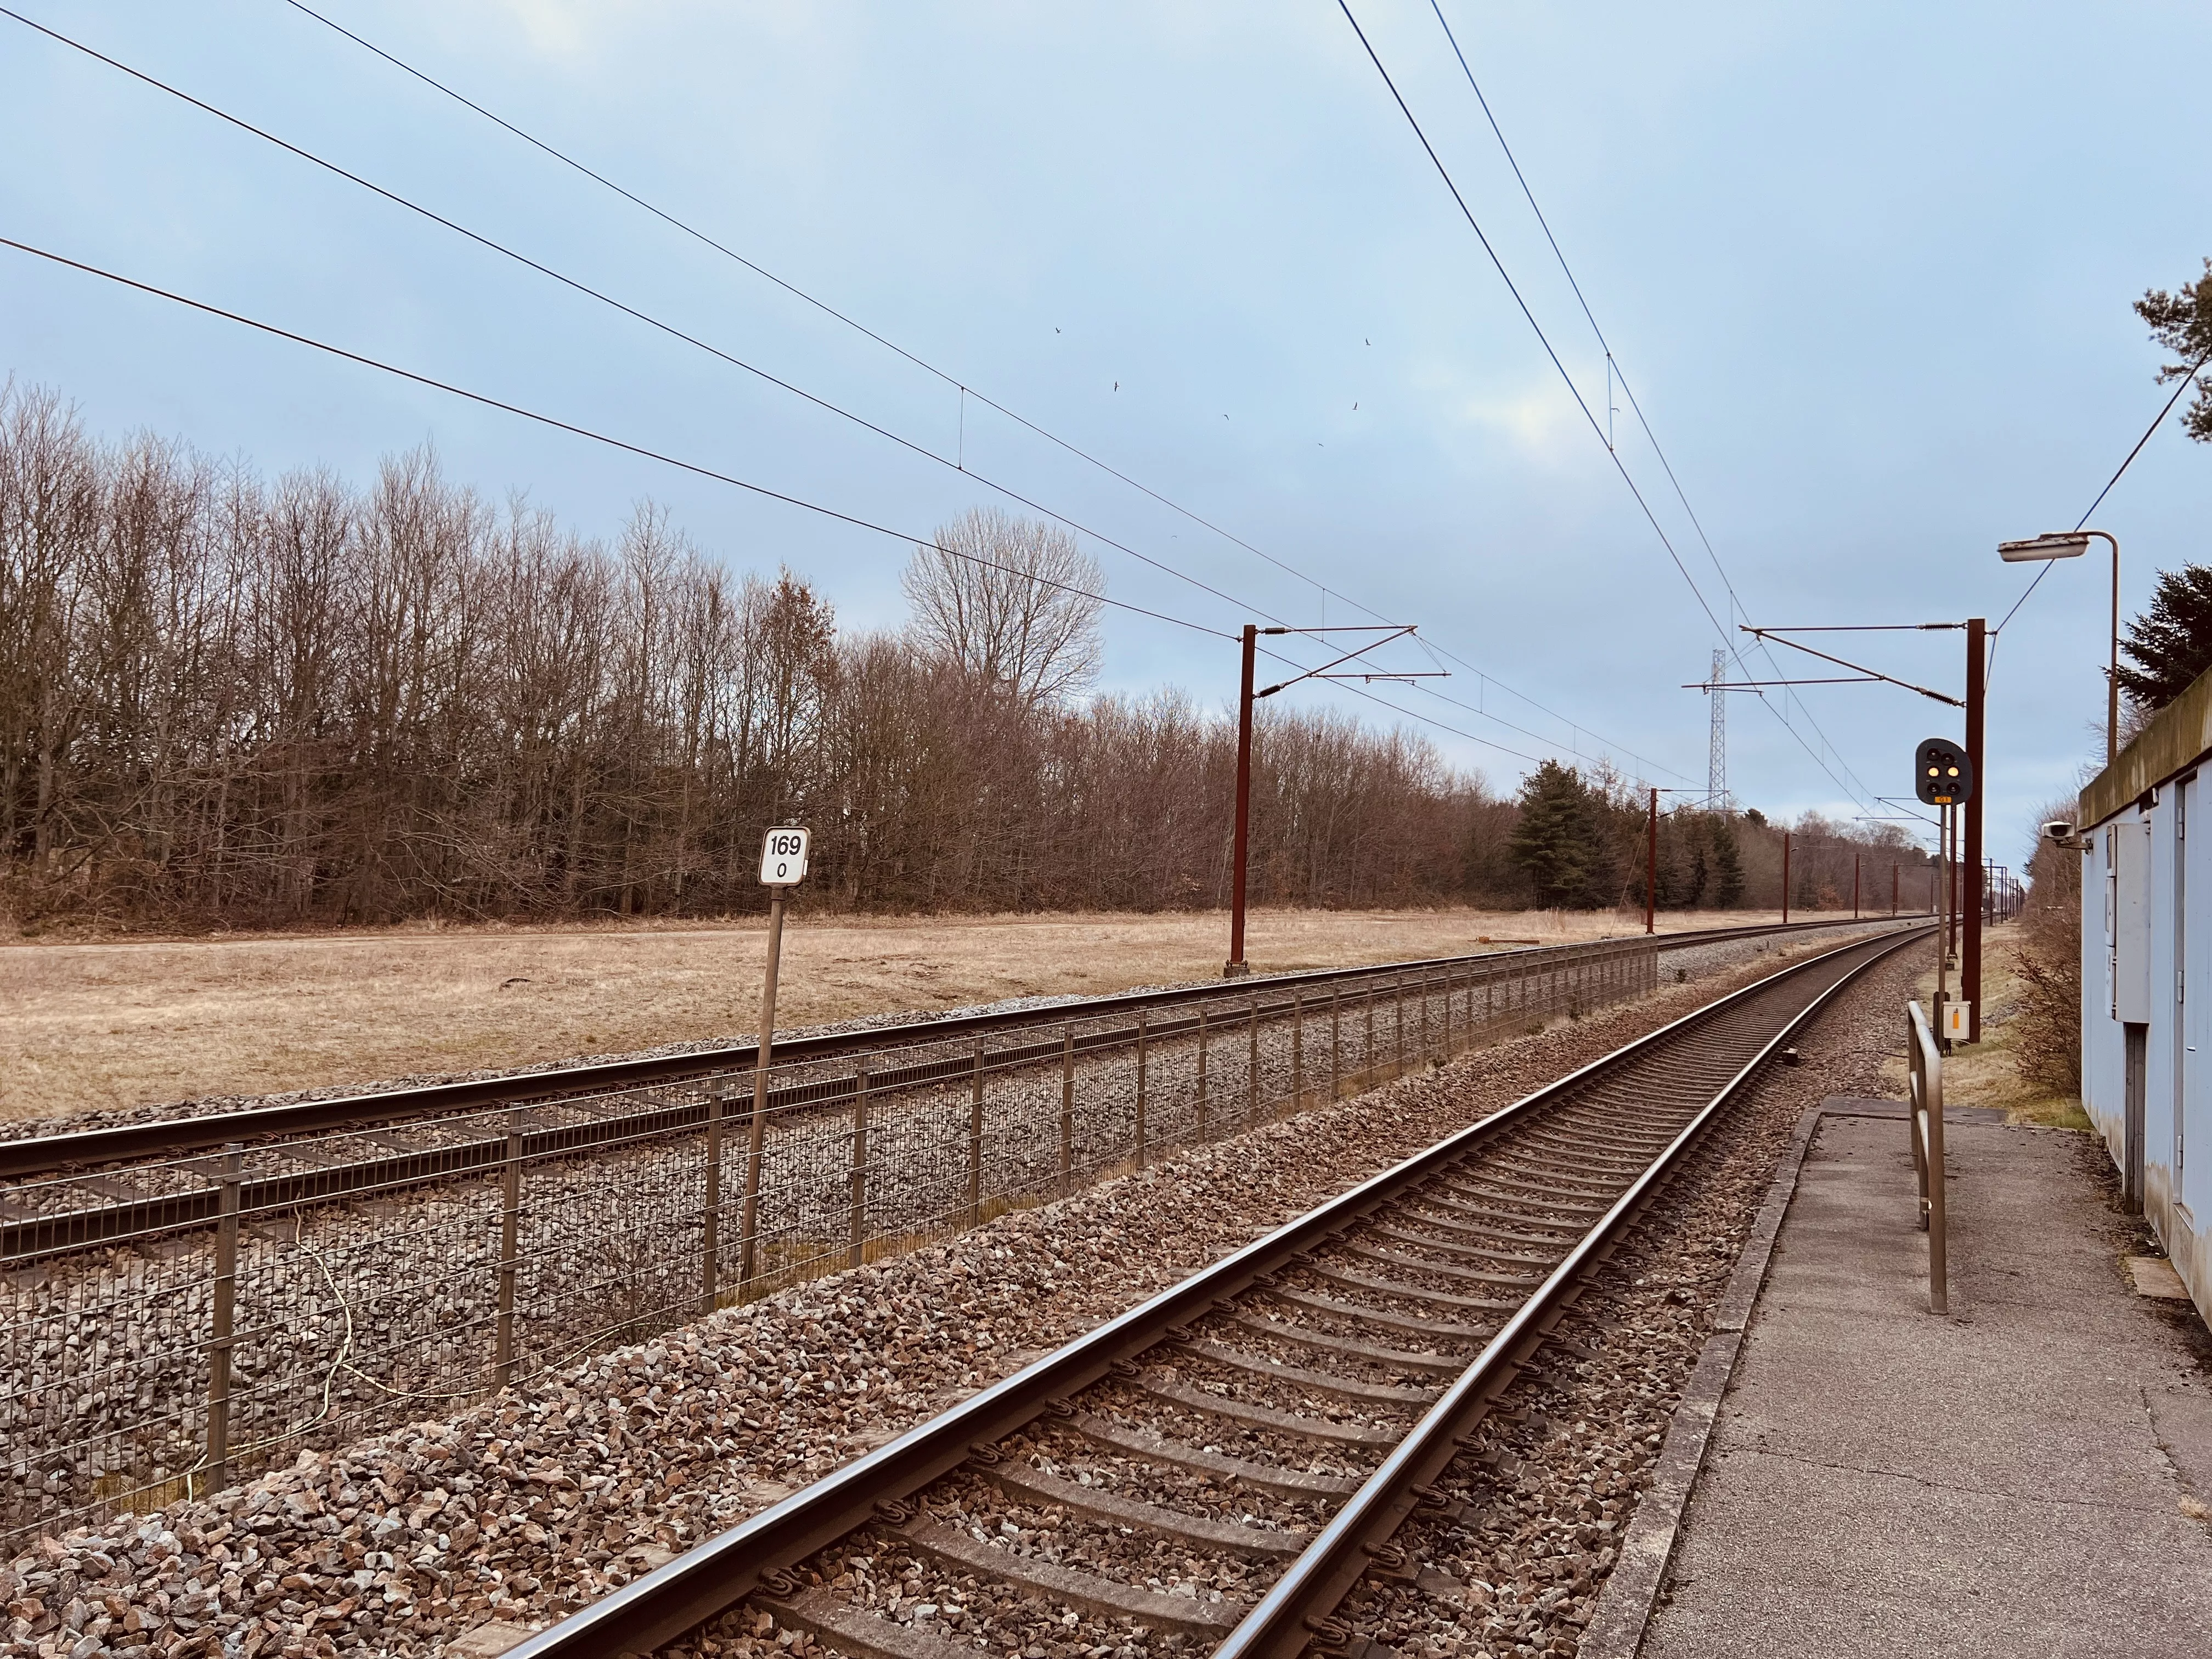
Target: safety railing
{"points": [[1924, 1118]]}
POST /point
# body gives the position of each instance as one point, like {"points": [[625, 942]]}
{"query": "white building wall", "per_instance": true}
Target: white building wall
{"points": [[2147, 963]]}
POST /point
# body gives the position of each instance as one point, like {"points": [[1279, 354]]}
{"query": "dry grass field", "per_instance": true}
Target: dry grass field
{"points": [[97, 1024], [1985, 1074]]}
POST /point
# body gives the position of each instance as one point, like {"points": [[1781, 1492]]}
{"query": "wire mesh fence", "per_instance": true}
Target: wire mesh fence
{"points": [[241, 1306]]}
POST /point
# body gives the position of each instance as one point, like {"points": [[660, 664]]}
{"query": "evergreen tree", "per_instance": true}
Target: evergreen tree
{"points": [[2182, 322], [2171, 643], [1728, 867], [1560, 843]]}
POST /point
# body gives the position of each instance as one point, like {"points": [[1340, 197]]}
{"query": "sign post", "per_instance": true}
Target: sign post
{"points": [[1943, 776], [783, 866]]}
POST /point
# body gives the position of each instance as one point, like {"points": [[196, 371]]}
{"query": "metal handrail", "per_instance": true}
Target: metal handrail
{"points": [[1923, 1119]]}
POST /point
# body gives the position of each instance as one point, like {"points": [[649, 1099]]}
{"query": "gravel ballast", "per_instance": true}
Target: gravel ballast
{"points": [[543, 1498]]}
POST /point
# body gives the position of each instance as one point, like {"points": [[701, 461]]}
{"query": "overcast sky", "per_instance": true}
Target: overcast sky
{"points": [[1868, 270]]}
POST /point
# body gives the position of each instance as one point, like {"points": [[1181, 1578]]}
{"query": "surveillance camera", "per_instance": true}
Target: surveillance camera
{"points": [[2058, 829]]}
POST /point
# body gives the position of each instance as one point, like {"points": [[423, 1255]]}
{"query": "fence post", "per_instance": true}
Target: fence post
{"points": [[1367, 1048], [1201, 1075], [1066, 1108], [1252, 1064], [976, 1140], [510, 1217], [710, 1216], [225, 1299], [1401, 1025], [856, 1249], [1141, 1056], [1335, 1043]]}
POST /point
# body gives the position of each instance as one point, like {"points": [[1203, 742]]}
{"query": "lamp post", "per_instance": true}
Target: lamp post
{"points": [[2072, 545]]}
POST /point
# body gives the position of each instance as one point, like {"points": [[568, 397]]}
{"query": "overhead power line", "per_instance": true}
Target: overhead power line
{"points": [[2157, 420], [1574, 391], [571, 427], [697, 469], [1737, 611], [966, 390]]}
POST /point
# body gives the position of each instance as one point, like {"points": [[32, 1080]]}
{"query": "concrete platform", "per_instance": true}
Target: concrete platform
{"points": [[2028, 1475]]}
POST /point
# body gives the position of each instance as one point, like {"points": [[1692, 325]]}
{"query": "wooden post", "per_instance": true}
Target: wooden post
{"points": [[510, 1220], [710, 1213], [1067, 1108], [856, 1249], [976, 1140], [1297, 1049], [225, 1307], [1140, 1088], [749, 1220]]}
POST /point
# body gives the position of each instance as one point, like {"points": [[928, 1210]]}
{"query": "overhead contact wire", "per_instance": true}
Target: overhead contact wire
{"points": [[612, 442], [953, 380], [1574, 391]]}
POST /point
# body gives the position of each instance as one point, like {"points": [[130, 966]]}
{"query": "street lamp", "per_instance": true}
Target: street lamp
{"points": [[2072, 545]]}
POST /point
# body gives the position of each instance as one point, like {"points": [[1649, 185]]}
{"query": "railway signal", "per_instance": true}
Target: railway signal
{"points": [[1942, 773], [1967, 914]]}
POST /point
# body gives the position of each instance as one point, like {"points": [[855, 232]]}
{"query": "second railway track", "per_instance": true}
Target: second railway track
{"points": [[1224, 1464]]}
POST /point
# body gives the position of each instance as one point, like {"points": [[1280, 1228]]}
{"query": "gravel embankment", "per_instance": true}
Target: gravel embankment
{"points": [[358, 1319], [543, 1498]]}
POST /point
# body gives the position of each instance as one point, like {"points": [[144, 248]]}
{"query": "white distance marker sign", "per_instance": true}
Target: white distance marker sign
{"points": [[783, 858]]}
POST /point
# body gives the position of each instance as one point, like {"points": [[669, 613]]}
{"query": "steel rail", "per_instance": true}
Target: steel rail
{"points": [[1299, 1605], [28, 1237], [45, 1155], [719, 1572]]}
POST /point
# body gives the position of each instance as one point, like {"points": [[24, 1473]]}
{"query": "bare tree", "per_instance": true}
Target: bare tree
{"points": [[1011, 600]]}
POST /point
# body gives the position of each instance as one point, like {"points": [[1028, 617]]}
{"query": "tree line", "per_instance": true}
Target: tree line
{"points": [[227, 699]]}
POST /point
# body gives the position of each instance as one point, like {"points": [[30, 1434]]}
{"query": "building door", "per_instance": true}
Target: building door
{"points": [[2182, 792], [2131, 1127]]}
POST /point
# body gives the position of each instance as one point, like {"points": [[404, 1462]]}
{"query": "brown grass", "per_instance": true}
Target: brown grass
{"points": [[91, 1025], [1990, 1072]]}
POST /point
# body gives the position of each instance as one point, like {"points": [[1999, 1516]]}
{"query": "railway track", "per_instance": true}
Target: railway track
{"points": [[34, 1156], [1220, 1468]]}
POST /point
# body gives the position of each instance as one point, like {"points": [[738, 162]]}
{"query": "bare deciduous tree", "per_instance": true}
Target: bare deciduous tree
{"points": [[1010, 600]]}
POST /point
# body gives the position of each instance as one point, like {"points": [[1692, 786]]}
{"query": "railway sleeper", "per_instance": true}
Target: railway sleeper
{"points": [[1427, 1365], [1265, 1417], [1405, 1293], [1200, 1460], [1452, 1247], [1445, 1269], [1321, 1381], [1389, 1318], [1560, 1233], [1101, 1504], [1050, 1583]]}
